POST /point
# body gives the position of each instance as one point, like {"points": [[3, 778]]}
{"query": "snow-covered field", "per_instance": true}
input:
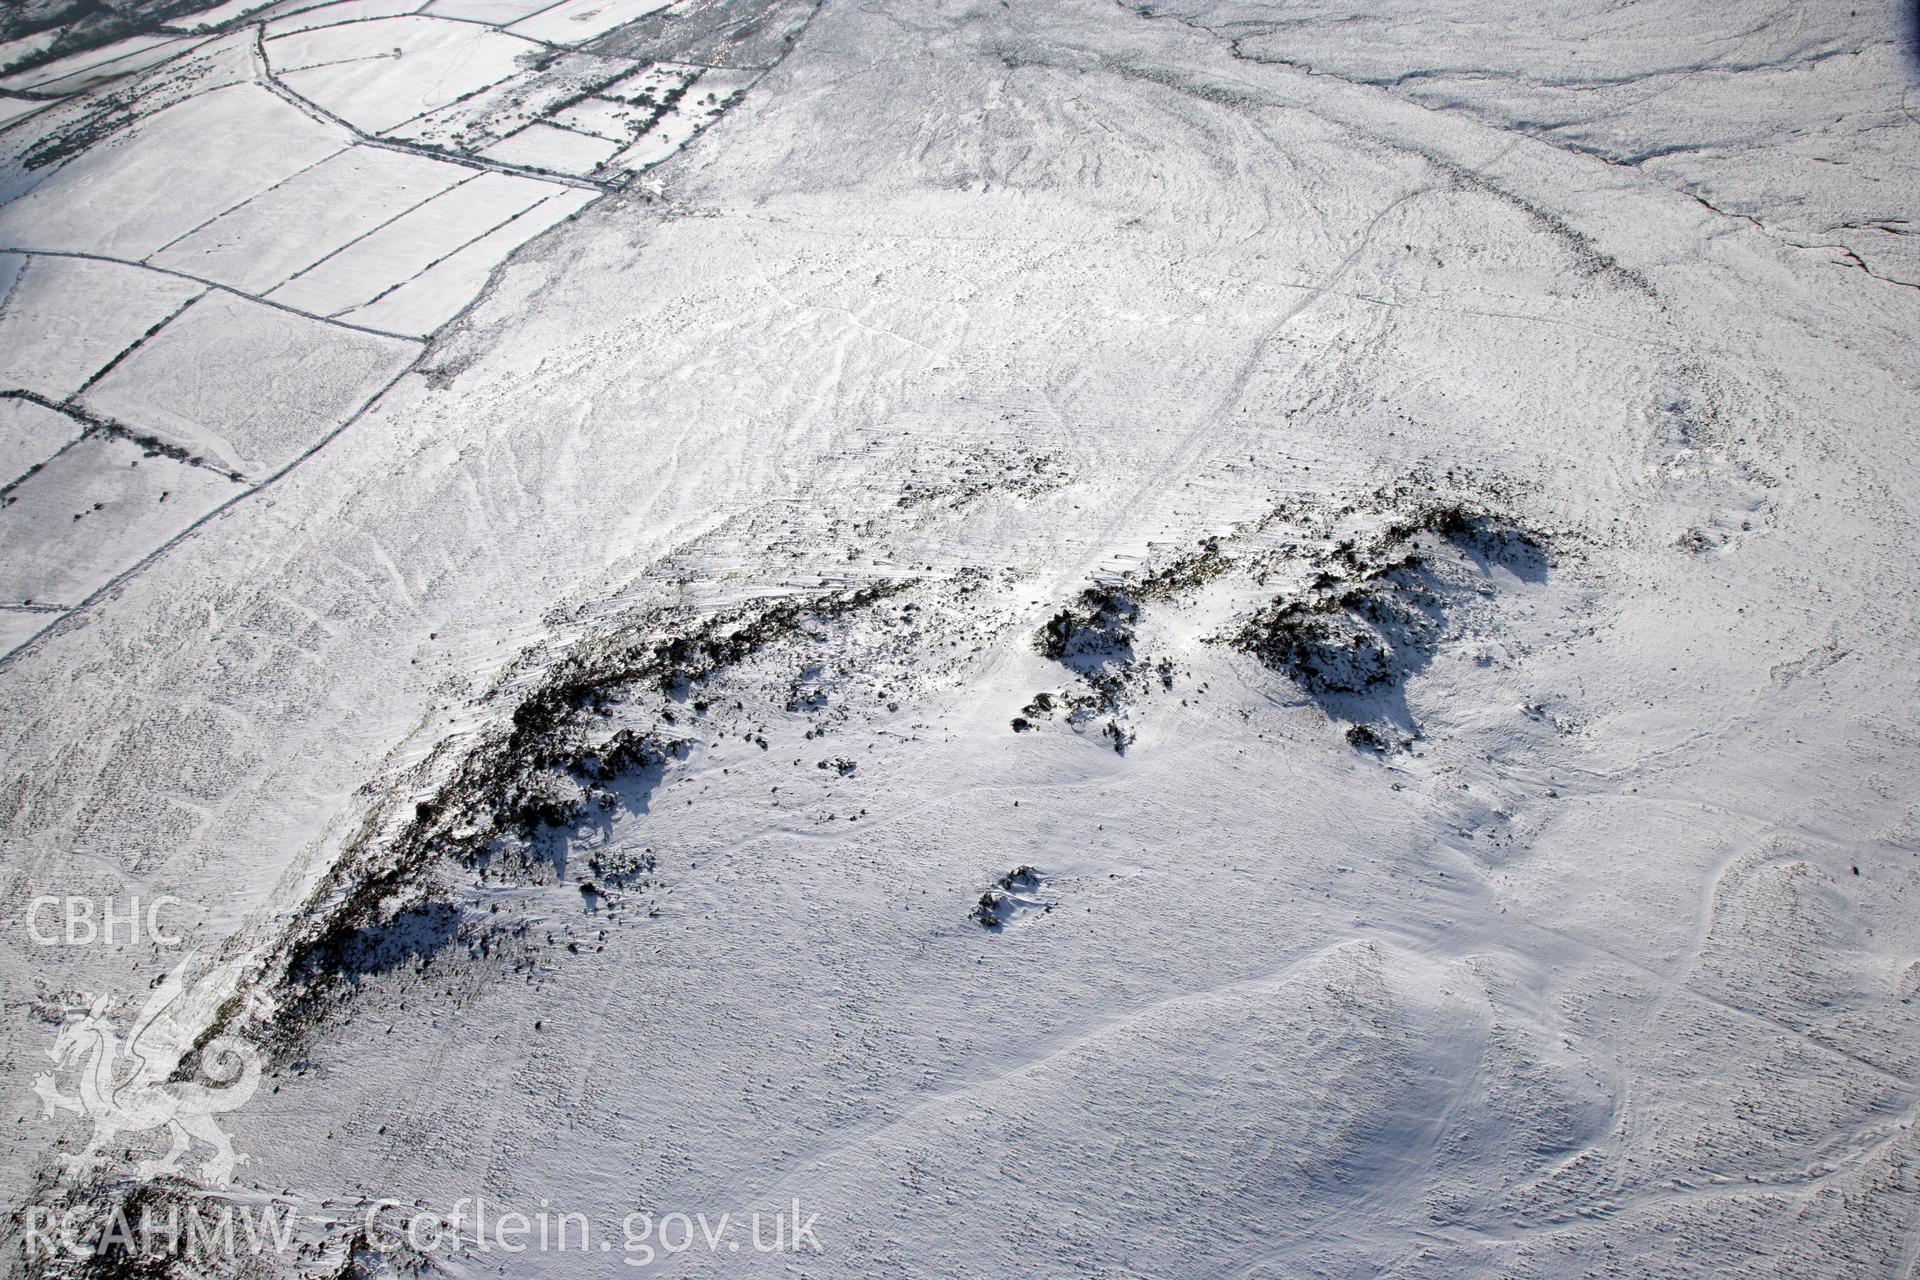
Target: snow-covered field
{"points": [[1195, 639]]}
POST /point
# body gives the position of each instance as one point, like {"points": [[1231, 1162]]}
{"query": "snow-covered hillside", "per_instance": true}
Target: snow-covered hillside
{"points": [[1089, 639]]}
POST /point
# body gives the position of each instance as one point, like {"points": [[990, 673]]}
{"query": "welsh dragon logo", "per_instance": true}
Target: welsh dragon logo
{"points": [[128, 1086]]}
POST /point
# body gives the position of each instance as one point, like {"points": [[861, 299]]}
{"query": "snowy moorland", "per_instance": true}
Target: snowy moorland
{"points": [[959, 639]]}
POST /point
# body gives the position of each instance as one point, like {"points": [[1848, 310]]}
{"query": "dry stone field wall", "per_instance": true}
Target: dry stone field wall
{"points": [[225, 236]]}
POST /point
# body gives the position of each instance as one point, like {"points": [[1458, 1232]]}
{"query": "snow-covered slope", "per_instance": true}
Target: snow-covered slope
{"points": [[1087, 640]]}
